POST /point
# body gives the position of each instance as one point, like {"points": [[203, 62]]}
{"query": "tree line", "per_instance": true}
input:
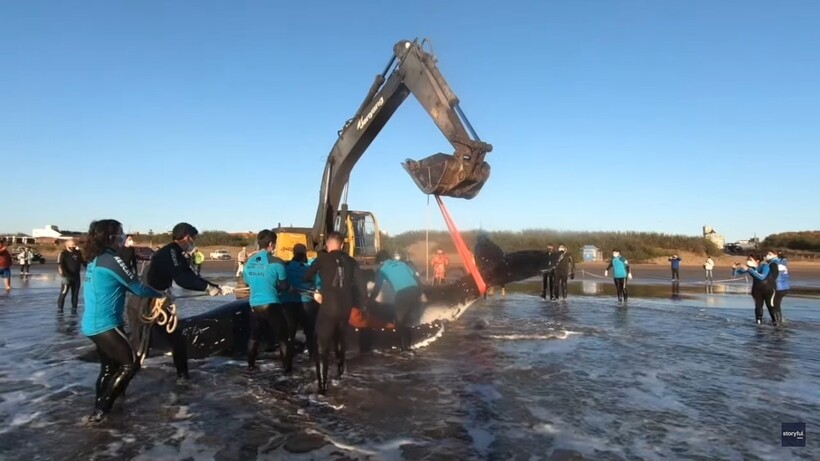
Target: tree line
{"points": [[637, 246], [800, 241]]}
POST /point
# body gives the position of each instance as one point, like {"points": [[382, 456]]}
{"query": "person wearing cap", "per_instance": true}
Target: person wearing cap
{"points": [[398, 284], [299, 301], [439, 262]]}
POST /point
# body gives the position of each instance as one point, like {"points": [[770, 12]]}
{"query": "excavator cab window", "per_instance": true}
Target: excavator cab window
{"points": [[366, 234]]}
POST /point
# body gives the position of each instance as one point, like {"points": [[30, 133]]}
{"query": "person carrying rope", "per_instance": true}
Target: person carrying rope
{"points": [[107, 280], [168, 265]]}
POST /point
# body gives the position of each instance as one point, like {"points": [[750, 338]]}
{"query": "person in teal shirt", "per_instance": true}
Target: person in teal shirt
{"points": [[301, 305], [107, 280], [620, 272], [267, 279], [403, 293]]}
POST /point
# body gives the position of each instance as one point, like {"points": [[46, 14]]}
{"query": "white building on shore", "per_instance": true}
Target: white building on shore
{"points": [[52, 232], [709, 233]]}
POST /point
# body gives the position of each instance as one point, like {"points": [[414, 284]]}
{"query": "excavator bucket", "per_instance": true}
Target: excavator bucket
{"points": [[447, 176]]}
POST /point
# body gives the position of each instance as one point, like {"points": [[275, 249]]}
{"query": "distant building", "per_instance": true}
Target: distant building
{"points": [[592, 253], [709, 233], [53, 233], [18, 239]]}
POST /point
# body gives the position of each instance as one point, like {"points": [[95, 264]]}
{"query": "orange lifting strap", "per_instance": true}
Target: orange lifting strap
{"points": [[466, 255]]}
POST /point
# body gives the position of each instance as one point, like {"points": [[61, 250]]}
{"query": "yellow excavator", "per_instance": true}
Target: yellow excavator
{"points": [[461, 174]]}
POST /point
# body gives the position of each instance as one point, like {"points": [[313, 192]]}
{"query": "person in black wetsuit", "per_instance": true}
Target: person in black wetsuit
{"points": [[564, 269], [168, 265], [764, 283], [69, 264], [339, 274], [548, 274], [107, 281], [129, 254], [763, 286]]}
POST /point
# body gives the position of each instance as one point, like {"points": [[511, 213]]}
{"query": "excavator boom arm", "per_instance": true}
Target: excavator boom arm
{"points": [[460, 174]]}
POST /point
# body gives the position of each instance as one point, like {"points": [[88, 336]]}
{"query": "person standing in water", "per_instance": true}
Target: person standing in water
{"points": [[24, 258], [107, 280], [675, 260], [339, 274], [168, 265], [402, 290], [620, 273], [267, 279], [5, 264], [302, 308], [767, 273], [564, 268], [782, 285], [762, 289], [548, 274], [709, 266], [69, 263]]}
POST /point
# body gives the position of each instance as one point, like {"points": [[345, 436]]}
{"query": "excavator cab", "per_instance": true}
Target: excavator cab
{"points": [[361, 231]]}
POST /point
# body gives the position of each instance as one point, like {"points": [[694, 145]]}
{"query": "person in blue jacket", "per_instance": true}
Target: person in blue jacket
{"points": [[107, 280], [675, 260], [782, 284], [300, 303], [620, 272], [267, 279]]}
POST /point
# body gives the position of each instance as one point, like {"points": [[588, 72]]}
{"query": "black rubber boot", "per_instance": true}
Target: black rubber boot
{"points": [[253, 352]]}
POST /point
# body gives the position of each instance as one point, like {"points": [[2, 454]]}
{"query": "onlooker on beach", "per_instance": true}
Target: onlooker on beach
{"points": [[439, 262], [709, 265], [24, 258], [5, 264], [675, 260], [241, 258], [128, 253], [198, 258]]}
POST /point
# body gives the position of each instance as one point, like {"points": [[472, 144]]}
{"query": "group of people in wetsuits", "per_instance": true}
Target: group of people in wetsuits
{"points": [[770, 283], [559, 269], [285, 296]]}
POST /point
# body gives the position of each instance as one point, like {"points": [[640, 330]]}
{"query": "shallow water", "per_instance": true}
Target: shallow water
{"points": [[683, 375]]}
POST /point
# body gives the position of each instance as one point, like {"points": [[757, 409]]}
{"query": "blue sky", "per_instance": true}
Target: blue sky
{"points": [[604, 115]]}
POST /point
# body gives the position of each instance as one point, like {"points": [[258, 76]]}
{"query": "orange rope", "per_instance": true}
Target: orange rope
{"points": [[461, 247]]}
